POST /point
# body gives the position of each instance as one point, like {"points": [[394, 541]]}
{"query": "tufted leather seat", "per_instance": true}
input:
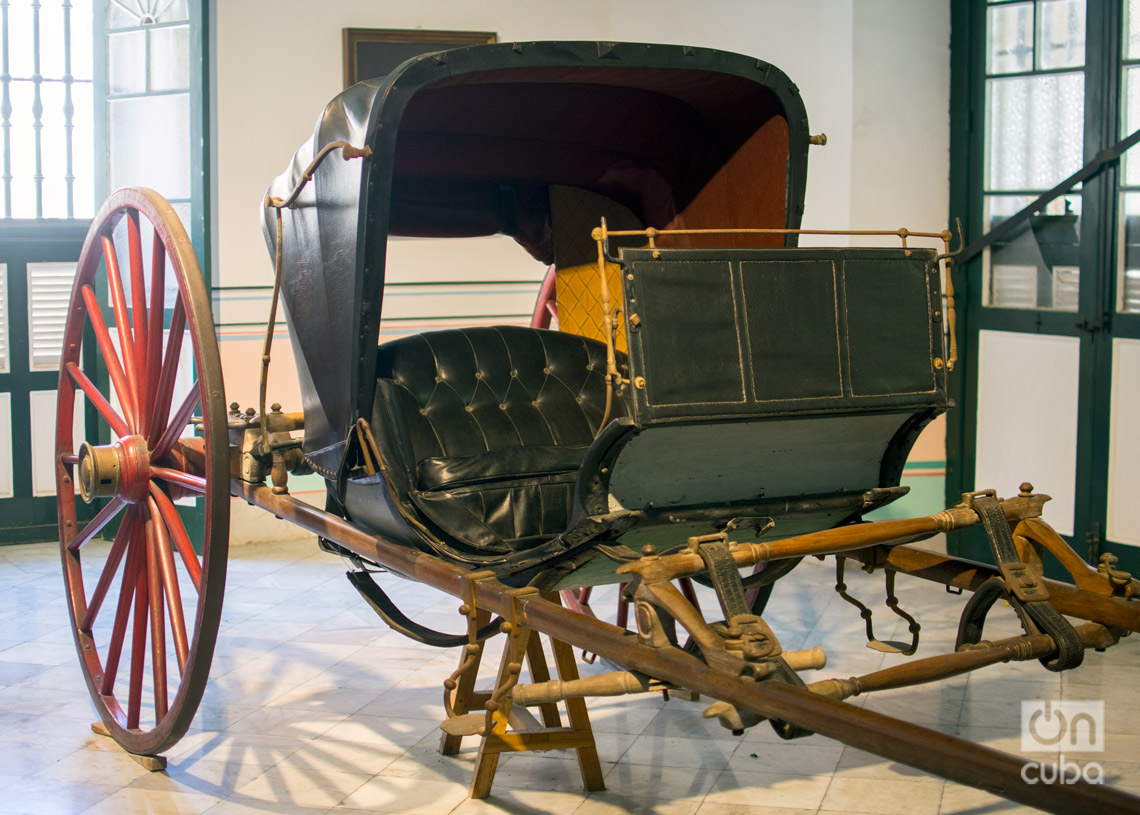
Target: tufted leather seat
{"points": [[483, 429]]}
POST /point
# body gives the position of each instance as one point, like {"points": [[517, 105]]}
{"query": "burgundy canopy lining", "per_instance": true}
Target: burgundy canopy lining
{"points": [[649, 139]]}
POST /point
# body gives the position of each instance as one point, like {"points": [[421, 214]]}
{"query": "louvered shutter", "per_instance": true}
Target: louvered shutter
{"points": [[49, 292]]}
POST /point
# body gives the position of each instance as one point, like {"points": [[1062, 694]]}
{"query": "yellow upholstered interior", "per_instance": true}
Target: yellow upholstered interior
{"points": [[580, 303], [574, 214]]}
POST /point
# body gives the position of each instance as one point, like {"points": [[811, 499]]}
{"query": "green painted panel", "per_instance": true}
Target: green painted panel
{"points": [[695, 465]]}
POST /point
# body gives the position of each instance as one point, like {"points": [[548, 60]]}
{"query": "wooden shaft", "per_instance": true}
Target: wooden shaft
{"points": [[965, 574], [809, 659], [932, 669], [622, 683], [946, 756], [830, 541], [615, 683]]}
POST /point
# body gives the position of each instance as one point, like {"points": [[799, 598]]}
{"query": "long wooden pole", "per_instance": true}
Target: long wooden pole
{"points": [[928, 750]]}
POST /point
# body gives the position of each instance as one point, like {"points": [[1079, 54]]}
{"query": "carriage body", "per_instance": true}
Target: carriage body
{"points": [[760, 380]]}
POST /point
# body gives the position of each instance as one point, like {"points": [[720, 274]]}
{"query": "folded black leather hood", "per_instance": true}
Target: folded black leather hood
{"points": [[467, 142]]}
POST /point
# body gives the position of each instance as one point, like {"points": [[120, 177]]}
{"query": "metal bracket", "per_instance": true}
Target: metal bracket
{"points": [[1021, 581], [968, 497], [265, 448]]}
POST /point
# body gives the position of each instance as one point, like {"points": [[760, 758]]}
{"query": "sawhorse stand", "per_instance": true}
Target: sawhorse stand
{"points": [[526, 732]]}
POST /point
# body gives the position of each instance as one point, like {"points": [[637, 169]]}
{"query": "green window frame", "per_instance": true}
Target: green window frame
{"points": [[27, 516], [1096, 319]]}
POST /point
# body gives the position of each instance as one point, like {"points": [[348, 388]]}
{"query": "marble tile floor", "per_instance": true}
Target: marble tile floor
{"points": [[315, 707]]}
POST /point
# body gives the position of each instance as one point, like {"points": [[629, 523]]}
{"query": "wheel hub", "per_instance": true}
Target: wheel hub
{"points": [[121, 469]]}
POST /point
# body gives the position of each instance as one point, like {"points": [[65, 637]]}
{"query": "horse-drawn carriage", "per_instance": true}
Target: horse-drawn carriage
{"points": [[714, 399]]}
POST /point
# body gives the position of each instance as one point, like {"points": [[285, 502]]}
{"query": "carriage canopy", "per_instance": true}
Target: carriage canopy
{"points": [[512, 139]]}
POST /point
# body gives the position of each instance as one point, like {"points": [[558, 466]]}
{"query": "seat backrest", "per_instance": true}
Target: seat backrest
{"points": [[483, 429]]}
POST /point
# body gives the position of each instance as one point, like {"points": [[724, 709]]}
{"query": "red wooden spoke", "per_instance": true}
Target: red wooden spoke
{"points": [[178, 422], [97, 523], [110, 356], [165, 390], [138, 313], [138, 640], [154, 329], [69, 458], [122, 318], [97, 399], [173, 592], [122, 614], [188, 480], [157, 622], [178, 534], [118, 548]]}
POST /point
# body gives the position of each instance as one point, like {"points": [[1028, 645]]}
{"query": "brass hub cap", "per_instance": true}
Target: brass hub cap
{"points": [[121, 469]]}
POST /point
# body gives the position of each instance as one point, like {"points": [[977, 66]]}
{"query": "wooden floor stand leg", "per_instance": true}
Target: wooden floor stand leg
{"points": [[530, 735], [463, 700], [539, 672], [588, 761], [491, 745]]}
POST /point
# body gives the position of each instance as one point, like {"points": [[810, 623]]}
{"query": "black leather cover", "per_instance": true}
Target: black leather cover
{"points": [[483, 430]]}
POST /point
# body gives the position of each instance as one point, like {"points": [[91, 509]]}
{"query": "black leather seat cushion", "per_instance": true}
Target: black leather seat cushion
{"points": [[483, 429]]}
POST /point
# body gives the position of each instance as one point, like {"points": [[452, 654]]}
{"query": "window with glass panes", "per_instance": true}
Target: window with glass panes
{"points": [[94, 95], [1050, 314], [46, 137], [148, 99], [1035, 85]]}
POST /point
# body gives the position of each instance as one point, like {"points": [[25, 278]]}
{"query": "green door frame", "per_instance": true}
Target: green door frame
{"points": [[1095, 323], [27, 517]]}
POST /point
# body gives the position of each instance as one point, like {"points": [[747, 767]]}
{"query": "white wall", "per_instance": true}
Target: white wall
{"points": [[900, 140], [811, 41], [874, 75]]}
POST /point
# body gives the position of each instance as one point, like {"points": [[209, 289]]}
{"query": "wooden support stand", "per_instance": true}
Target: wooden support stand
{"points": [[527, 733], [152, 763]]}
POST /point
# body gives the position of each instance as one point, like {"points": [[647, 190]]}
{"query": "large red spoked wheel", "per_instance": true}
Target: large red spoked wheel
{"points": [[145, 607]]}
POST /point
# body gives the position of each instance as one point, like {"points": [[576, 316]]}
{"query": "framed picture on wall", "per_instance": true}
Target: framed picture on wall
{"points": [[373, 52]]}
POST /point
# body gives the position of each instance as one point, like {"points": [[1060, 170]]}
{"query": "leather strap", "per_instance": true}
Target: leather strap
{"points": [[725, 577], [1070, 649], [398, 621], [973, 619]]}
